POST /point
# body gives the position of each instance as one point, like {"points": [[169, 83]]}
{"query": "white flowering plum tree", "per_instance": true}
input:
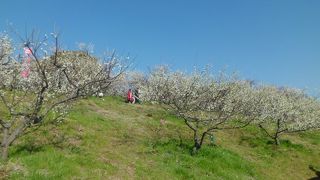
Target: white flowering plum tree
{"points": [[206, 103], [55, 79], [286, 110]]}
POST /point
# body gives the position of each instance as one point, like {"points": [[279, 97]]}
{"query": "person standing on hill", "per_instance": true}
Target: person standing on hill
{"points": [[136, 95]]}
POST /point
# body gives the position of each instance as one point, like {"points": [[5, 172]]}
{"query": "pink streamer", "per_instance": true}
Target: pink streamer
{"points": [[26, 62]]}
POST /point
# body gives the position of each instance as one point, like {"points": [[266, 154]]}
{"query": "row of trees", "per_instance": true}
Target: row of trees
{"points": [[209, 102], [56, 79], [206, 102]]}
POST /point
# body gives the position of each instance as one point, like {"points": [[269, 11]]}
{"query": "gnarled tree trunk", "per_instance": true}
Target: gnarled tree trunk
{"points": [[4, 144], [198, 141]]}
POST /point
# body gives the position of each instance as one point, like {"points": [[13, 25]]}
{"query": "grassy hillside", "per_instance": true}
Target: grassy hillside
{"points": [[109, 139]]}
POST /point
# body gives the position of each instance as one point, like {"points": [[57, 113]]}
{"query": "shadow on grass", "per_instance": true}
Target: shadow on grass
{"points": [[210, 161], [316, 171], [27, 149], [28, 146], [264, 146]]}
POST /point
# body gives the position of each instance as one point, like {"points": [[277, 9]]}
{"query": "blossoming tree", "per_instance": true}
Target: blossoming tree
{"points": [[55, 80], [286, 110], [206, 103]]}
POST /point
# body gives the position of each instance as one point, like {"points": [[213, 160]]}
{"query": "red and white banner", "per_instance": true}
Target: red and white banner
{"points": [[26, 62], [27, 51]]}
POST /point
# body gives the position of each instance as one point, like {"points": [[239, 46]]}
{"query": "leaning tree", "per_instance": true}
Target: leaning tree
{"points": [[205, 102], [43, 88]]}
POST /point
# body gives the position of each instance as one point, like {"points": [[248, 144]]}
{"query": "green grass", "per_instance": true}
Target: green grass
{"points": [[109, 139], [209, 163]]}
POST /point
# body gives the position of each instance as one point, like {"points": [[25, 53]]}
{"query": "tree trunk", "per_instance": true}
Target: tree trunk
{"points": [[5, 145], [5, 153], [197, 144], [202, 138], [276, 141], [8, 139], [276, 136]]}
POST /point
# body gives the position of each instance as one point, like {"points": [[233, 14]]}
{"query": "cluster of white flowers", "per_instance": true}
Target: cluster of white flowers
{"points": [[127, 80], [199, 95], [5, 48]]}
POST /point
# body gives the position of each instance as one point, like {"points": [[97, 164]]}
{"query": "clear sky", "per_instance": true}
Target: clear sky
{"points": [[272, 41]]}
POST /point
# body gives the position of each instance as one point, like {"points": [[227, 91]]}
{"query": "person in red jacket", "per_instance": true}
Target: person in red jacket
{"points": [[130, 97]]}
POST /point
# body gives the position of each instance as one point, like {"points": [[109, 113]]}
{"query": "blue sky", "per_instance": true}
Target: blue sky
{"points": [[271, 41]]}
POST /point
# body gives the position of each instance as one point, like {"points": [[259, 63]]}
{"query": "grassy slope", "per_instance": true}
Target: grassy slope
{"points": [[110, 139]]}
